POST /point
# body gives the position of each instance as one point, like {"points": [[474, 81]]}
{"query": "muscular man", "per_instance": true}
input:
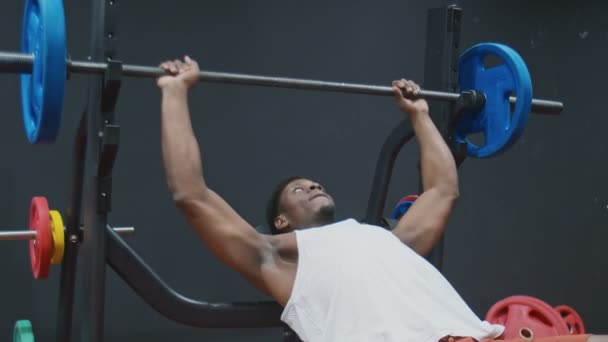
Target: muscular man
{"points": [[337, 281]]}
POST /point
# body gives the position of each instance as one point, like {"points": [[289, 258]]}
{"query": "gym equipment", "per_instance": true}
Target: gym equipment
{"points": [[526, 317], [47, 236], [58, 236], [501, 127], [44, 66], [572, 318], [403, 205], [23, 331], [41, 247], [43, 36]]}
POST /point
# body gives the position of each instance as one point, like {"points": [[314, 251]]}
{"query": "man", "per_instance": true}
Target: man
{"points": [[338, 281]]}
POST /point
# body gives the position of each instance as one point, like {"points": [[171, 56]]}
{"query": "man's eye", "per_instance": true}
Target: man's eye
{"points": [[298, 189]]}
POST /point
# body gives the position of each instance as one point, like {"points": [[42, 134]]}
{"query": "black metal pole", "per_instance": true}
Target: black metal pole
{"points": [[21, 63], [99, 163], [384, 170], [94, 242], [441, 72], [69, 263]]}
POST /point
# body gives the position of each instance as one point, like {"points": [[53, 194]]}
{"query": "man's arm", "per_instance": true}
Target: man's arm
{"points": [[424, 222], [226, 234]]}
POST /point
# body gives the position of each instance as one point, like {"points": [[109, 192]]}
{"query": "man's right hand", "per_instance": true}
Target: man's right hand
{"points": [[181, 74]]}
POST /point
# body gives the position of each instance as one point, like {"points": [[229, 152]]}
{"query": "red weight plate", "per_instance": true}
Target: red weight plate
{"points": [[409, 198], [41, 248], [572, 318], [526, 317]]}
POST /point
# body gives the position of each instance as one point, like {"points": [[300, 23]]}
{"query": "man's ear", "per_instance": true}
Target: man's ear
{"points": [[280, 222]]}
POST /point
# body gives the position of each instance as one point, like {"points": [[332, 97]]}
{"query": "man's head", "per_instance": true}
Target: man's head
{"points": [[298, 203]]}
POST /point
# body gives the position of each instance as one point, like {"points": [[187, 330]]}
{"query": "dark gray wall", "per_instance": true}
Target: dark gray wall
{"points": [[530, 222]]}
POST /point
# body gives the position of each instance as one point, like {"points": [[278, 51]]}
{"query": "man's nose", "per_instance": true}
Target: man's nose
{"points": [[315, 186]]}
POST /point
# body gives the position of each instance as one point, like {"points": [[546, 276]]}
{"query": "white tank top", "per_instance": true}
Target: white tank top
{"points": [[360, 283]]}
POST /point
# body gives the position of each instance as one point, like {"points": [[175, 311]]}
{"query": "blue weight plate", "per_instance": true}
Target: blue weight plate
{"points": [[500, 126], [42, 91], [402, 207]]}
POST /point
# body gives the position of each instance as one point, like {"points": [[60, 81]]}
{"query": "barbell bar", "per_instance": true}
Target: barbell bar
{"points": [[14, 62]]}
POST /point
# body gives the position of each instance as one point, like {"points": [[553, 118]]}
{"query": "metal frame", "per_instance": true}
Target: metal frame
{"points": [[102, 144], [72, 222], [442, 53], [95, 147], [152, 289], [441, 71]]}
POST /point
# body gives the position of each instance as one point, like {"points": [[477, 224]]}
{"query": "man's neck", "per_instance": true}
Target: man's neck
{"points": [[320, 222]]}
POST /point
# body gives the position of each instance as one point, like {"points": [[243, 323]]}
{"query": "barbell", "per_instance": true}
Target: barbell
{"points": [[44, 67]]}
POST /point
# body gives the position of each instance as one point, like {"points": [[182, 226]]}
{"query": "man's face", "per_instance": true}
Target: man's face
{"points": [[303, 204]]}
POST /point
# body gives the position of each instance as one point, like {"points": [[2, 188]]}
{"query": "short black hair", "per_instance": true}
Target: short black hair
{"points": [[272, 207]]}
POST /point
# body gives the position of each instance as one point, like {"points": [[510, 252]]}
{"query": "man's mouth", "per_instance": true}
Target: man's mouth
{"points": [[318, 195]]}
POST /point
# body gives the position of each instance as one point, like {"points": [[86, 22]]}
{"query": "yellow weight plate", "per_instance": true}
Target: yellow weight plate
{"points": [[58, 237]]}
